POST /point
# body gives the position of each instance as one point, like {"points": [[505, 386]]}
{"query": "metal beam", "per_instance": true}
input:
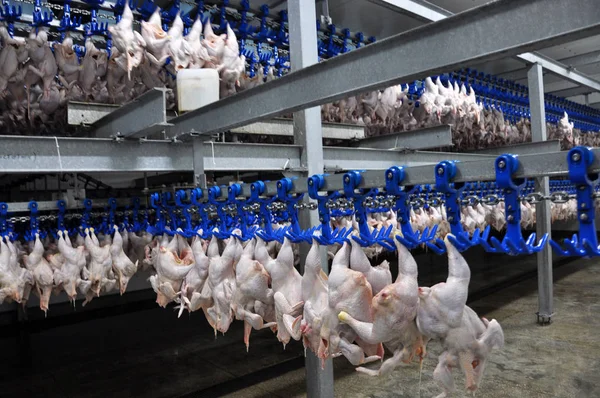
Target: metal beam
{"points": [[593, 99], [542, 185], [198, 162], [553, 164], [308, 132], [510, 26], [338, 158], [561, 70], [419, 9], [582, 59], [23, 154], [285, 127], [144, 116], [413, 8], [51, 205], [431, 137], [571, 62], [552, 84], [527, 148], [86, 113], [569, 92]]}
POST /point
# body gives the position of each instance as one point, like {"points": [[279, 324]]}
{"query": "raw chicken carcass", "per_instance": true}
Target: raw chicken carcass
{"points": [[129, 42], [172, 262], [43, 275], [379, 276], [468, 347], [221, 284], [137, 247], [44, 63], [179, 49], [157, 40], [15, 281], [252, 282], [349, 291], [98, 275], [215, 45], [467, 340], [441, 306], [286, 283], [9, 62], [66, 59], [315, 297], [199, 53], [93, 68], [122, 265], [394, 312], [195, 280], [68, 277]]}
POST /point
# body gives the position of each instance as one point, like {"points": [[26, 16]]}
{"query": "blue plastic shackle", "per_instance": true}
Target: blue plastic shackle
{"points": [[327, 237], [585, 243], [444, 175], [513, 242], [394, 176], [366, 238]]}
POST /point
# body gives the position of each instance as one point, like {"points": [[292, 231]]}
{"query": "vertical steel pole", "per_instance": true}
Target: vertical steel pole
{"points": [[199, 175], [543, 221], [308, 133]]}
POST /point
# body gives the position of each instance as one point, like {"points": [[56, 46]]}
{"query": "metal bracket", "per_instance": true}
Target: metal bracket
{"points": [[144, 116]]}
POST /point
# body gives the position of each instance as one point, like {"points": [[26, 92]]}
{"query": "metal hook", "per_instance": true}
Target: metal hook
{"points": [[295, 232], [409, 238], [214, 193], [366, 238], [444, 175], [513, 242], [327, 237], [585, 243]]}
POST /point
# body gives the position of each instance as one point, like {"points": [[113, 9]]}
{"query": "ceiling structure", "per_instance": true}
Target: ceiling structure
{"points": [[383, 18]]}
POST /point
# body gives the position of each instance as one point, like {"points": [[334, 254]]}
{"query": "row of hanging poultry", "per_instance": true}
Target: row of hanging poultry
{"points": [[354, 311], [38, 78], [351, 312], [105, 263], [473, 126]]}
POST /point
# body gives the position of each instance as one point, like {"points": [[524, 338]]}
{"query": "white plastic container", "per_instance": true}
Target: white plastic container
{"points": [[196, 88]]}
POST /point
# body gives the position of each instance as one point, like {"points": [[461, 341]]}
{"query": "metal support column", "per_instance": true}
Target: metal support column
{"points": [[543, 221], [198, 155], [308, 133]]}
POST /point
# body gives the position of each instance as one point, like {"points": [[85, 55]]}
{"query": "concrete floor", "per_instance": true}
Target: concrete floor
{"points": [[560, 360]]}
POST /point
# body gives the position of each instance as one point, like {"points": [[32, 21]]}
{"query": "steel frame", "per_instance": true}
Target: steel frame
{"points": [[31, 154], [432, 14], [510, 26]]}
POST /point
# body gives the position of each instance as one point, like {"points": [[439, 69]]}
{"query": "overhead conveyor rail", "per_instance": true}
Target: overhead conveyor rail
{"points": [[510, 27], [564, 69], [553, 164]]}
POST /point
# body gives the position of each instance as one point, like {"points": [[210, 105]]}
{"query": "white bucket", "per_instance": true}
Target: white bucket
{"points": [[196, 88]]}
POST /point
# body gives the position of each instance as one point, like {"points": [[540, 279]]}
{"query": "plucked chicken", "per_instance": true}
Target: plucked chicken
{"points": [[466, 339], [43, 274], [394, 313], [172, 261], [123, 267], [286, 283], [350, 292]]}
